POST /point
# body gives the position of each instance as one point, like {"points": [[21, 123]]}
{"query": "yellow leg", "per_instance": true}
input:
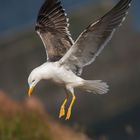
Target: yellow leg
{"points": [[70, 108], [62, 109]]}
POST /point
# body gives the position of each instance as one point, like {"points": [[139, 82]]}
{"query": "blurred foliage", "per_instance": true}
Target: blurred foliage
{"points": [[26, 125], [28, 120]]}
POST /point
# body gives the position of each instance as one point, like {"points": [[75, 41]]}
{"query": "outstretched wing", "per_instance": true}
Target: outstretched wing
{"points": [[52, 27], [91, 42]]}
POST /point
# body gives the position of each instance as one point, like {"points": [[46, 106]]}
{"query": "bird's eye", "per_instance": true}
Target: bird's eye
{"points": [[33, 81]]}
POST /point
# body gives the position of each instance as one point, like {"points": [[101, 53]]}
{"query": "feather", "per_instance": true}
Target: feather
{"points": [[52, 27], [96, 36]]}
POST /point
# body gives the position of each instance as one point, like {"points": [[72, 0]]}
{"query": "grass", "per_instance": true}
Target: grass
{"points": [[23, 126]]}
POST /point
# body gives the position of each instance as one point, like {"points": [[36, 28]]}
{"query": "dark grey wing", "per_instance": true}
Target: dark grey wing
{"points": [[52, 27], [91, 42]]}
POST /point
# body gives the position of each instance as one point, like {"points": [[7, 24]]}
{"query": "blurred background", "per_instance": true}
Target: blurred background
{"points": [[108, 117]]}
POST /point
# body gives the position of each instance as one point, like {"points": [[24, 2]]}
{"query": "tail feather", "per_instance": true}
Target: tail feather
{"points": [[95, 86]]}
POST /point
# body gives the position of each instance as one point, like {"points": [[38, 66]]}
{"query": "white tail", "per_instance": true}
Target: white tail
{"points": [[95, 86]]}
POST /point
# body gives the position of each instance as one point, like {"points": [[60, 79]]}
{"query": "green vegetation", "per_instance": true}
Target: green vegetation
{"points": [[23, 126]]}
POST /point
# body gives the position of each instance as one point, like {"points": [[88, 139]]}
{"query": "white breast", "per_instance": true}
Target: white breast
{"points": [[58, 73]]}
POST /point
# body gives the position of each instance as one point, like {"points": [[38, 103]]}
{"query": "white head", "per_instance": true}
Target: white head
{"points": [[33, 79]]}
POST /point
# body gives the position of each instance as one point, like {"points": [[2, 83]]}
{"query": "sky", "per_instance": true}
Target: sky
{"points": [[16, 14]]}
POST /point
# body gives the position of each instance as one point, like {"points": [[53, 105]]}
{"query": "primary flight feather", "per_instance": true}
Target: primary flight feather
{"points": [[66, 58], [52, 26]]}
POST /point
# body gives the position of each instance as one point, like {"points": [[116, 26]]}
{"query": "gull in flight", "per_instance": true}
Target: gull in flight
{"points": [[66, 58]]}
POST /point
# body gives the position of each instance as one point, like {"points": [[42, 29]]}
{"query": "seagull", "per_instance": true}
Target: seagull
{"points": [[66, 58]]}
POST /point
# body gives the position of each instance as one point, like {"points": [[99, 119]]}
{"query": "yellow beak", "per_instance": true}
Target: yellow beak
{"points": [[30, 91]]}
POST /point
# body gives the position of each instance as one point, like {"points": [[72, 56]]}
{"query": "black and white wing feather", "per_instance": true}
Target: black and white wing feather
{"points": [[91, 42], [52, 27]]}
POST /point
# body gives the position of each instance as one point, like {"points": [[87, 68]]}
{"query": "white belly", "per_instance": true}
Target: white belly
{"points": [[60, 75]]}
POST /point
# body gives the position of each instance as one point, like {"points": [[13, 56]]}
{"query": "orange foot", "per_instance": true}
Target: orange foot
{"points": [[62, 109], [70, 108]]}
